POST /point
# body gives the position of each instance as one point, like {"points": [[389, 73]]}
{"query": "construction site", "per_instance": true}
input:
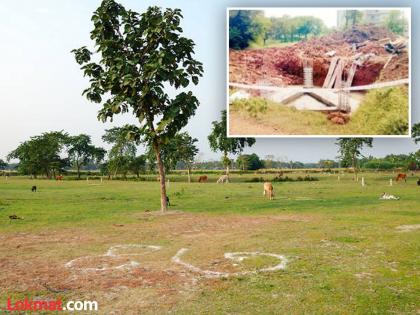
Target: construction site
{"points": [[331, 73]]}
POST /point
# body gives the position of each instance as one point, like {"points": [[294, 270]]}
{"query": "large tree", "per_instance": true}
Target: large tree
{"points": [[250, 162], [81, 151], [141, 57], [220, 142], [181, 148], [137, 165], [41, 154], [123, 149], [350, 150]]}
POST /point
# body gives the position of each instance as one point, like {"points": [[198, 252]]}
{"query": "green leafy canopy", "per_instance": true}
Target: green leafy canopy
{"points": [[139, 56], [220, 142]]}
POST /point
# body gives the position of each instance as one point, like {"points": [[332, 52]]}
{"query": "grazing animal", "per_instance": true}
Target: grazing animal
{"points": [[167, 201], [401, 176], [223, 179], [14, 217], [203, 179], [268, 190], [33, 188], [386, 196], [59, 177], [418, 182]]}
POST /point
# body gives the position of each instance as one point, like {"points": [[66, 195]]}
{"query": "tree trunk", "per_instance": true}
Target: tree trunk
{"points": [[189, 175], [78, 170], [163, 200], [354, 168]]}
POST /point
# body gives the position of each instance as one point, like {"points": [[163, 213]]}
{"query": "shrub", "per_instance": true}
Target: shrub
{"points": [[384, 111], [253, 106]]}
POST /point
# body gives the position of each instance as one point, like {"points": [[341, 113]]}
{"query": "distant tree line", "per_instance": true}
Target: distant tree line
{"points": [[252, 26], [247, 26], [54, 153], [395, 21]]}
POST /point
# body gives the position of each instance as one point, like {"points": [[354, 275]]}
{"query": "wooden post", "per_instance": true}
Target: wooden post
{"points": [[363, 182], [390, 182]]}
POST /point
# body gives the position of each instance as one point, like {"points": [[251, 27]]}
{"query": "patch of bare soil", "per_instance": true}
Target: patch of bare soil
{"points": [[408, 228], [283, 66], [241, 125], [38, 263]]}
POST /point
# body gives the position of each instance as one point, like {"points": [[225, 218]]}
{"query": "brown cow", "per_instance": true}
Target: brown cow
{"points": [[401, 176], [268, 190], [59, 177], [202, 179]]}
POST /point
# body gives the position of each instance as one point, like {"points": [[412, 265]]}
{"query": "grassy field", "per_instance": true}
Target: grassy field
{"points": [[347, 251]]}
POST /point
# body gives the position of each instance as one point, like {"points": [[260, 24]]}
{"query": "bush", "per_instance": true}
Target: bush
{"points": [[384, 111], [307, 178], [253, 106]]}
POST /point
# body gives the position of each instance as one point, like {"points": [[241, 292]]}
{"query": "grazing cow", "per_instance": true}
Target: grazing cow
{"points": [[202, 179], [33, 188], [268, 190], [59, 177], [223, 179], [401, 176], [418, 182]]}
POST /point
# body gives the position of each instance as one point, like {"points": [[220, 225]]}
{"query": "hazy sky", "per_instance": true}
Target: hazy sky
{"points": [[328, 16], [41, 84]]}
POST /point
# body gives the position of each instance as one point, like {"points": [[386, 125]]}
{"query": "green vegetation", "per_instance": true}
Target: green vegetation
{"points": [[415, 132], [383, 112], [139, 60], [249, 162], [41, 154], [219, 141], [252, 28], [396, 22], [345, 253], [81, 152], [350, 151]]}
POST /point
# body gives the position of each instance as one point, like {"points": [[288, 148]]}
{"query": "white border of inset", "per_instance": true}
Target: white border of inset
{"points": [[320, 136]]}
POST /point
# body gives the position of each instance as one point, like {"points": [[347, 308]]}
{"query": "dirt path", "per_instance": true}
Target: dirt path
{"points": [[240, 125]]}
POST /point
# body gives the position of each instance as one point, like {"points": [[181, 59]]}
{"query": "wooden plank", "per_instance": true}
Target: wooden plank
{"points": [[350, 77], [330, 72], [337, 75]]}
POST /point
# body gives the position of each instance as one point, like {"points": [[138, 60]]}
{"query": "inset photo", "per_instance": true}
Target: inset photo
{"points": [[321, 72]]}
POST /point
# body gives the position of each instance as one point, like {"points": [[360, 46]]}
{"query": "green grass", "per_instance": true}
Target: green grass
{"points": [[345, 255]]}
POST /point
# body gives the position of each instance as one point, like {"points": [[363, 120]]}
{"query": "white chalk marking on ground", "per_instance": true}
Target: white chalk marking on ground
{"points": [[111, 253], [408, 228], [237, 257], [113, 249], [70, 264]]}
